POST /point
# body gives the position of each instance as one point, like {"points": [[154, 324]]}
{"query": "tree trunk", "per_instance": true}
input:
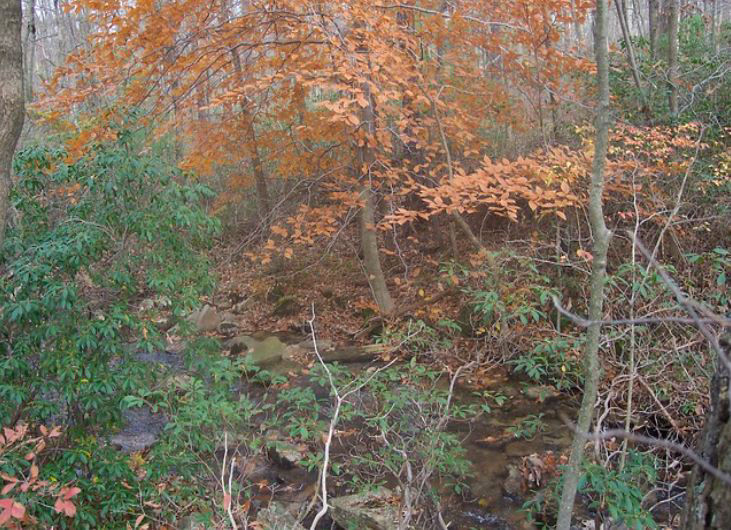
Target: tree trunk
{"points": [[368, 235], [598, 270], [624, 25], [12, 107], [262, 188], [371, 255], [708, 503], [30, 50], [715, 27], [674, 15], [578, 40], [653, 21]]}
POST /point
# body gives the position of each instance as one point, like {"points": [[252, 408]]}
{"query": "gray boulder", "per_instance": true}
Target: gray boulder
{"points": [[283, 452], [277, 517], [376, 510], [540, 392], [206, 319], [141, 430]]}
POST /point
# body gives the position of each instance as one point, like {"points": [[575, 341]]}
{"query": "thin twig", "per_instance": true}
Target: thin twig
{"points": [[585, 323], [339, 399], [227, 492], [687, 305], [657, 442]]}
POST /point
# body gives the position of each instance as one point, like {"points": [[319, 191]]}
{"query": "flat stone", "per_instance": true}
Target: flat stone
{"points": [[142, 429], [293, 351], [322, 345], [277, 517], [285, 453], [267, 352], [540, 392], [376, 510], [205, 319], [289, 455], [523, 448]]}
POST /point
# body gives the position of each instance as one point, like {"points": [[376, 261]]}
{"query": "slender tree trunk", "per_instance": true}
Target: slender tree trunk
{"points": [[715, 26], [368, 234], [653, 12], [592, 367], [262, 187], [456, 217], [578, 40], [624, 25], [708, 503], [673, 23], [371, 255], [30, 50], [12, 106], [638, 20]]}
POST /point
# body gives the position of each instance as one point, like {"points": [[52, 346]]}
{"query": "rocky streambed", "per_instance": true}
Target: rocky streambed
{"points": [[513, 448]]}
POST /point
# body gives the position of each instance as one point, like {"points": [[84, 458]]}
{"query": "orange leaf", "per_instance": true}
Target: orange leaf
{"points": [[69, 493], [584, 254], [7, 488], [65, 507], [7, 509]]}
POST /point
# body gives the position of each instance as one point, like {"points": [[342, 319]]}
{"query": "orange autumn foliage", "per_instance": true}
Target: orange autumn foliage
{"points": [[298, 88]]}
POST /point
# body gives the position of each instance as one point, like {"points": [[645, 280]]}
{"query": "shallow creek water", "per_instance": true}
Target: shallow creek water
{"points": [[494, 497]]}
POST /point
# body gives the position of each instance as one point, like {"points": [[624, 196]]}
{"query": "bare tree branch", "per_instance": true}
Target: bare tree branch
{"points": [[657, 442]]}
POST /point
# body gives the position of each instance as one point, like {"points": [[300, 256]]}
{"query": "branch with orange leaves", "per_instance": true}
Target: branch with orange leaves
{"points": [[20, 443]]}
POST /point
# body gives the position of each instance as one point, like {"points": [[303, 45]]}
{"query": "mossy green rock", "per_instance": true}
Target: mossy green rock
{"points": [[263, 353]]}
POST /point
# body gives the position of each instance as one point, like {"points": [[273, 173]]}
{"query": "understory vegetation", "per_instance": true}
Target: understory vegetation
{"points": [[382, 209]]}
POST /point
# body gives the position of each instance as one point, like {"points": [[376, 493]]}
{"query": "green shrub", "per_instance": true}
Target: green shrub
{"points": [[91, 239]]}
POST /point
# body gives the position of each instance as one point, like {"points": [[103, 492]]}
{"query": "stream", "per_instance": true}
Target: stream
{"points": [[502, 459]]}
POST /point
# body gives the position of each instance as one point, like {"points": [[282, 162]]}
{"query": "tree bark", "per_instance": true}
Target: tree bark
{"points": [[708, 503], [579, 41], [30, 50], [598, 270], [12, 106], [262, 187], [715, 27], [368, 235], [653, 12], [624, 25], [371, 255], [674, 14]]}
